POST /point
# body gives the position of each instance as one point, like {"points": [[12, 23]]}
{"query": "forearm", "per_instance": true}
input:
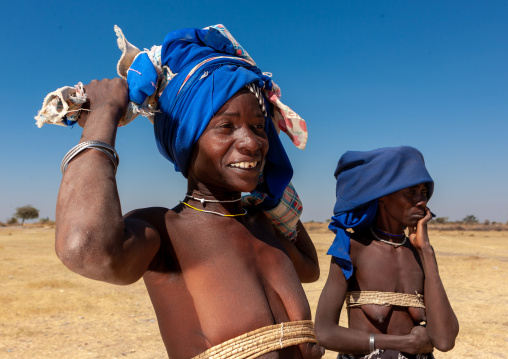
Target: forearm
{"points": [[90, 228], [352, 341], [442, 324]]}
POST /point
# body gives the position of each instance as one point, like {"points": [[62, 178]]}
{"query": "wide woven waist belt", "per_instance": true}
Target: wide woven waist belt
{"points": [[358, 298], [263, 340]]}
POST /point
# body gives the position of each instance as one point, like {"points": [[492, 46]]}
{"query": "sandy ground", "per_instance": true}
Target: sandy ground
{"points": [[46, 311]]}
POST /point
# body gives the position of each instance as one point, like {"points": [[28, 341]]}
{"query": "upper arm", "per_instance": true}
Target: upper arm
{"points": [[118, 255], [332, 297], [302, 253], [141, 243]]}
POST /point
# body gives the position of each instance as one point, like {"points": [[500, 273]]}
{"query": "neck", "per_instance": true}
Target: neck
{"points": [[217, 200], [216, 197], [389, 230]]}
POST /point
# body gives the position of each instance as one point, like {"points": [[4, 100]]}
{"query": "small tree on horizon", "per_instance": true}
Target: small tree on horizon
{"points": [[26, 212], [470, 219]]}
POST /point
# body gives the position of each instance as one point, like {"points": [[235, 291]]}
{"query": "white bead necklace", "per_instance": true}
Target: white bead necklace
{"points": [[203, 200], [388, 242]]}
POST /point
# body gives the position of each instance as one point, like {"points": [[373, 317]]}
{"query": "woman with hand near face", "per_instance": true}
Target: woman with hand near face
{"points": [[397, 305]]}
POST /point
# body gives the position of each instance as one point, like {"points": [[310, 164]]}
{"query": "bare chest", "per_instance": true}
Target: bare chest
{"points": [[221, 281], [382, 268]]}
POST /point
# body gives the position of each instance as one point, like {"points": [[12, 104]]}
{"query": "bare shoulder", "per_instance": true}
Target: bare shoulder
{"points": [[256, 217], [153, 216], [359, 240], [159, 221]]}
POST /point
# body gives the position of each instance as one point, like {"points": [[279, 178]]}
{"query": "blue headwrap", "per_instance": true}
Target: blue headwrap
{"points": [[362, 178], [207, 69]]}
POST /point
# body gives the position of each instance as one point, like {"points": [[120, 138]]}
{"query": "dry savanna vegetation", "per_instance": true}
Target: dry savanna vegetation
{"points": [[46, 311]]}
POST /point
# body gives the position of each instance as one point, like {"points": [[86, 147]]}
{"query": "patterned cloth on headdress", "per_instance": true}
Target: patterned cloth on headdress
{"points": [[362, 178], [180, 85]]}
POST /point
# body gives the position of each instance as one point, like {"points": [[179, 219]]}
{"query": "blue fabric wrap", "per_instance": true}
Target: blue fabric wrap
{"points": [[362, 178], [184, 112], [141, 84]]}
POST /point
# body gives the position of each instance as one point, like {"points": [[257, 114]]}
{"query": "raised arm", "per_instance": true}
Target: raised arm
{"points": [[352, 341], [302, 253], [442, 324], [92, 238]]}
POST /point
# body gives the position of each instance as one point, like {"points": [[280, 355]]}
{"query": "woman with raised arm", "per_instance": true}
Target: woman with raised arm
{"points": [[224, 282], [397, 305]]}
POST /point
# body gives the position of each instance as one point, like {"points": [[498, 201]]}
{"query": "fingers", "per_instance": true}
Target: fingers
{"points": [[423, 344], [411, 231], [110, 92], [427, 218], [312, 350]]}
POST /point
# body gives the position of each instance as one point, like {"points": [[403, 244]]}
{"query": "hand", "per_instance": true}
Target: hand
{"points": [[418, 235], [311, 351], [421, 341], [107, 94]]}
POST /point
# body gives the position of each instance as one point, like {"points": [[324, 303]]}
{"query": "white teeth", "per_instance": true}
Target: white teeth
{"points": [[244, 164]]}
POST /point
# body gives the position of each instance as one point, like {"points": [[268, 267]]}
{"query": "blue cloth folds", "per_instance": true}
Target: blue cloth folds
{"points": [[141, 84], [362, 178], [209, 71]]}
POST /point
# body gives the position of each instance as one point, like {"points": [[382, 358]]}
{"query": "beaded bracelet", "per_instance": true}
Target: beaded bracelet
{"points": [[98, 145]]}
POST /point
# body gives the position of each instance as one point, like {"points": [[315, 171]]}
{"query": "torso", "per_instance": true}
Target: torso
{"points": [[216, 278], [381, 267]]}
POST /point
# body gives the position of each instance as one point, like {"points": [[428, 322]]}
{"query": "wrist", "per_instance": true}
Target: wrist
{"points": [[426, 250], [107, 109], [372, 343], [410, 343], [403, 343]]}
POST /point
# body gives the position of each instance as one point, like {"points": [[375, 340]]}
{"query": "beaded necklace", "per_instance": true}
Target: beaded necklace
{"points": [[203, 200], [390, 234], [388, 242], [216, 213]]}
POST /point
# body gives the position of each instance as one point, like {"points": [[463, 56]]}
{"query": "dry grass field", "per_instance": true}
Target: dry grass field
{"points": [[48, 312]]}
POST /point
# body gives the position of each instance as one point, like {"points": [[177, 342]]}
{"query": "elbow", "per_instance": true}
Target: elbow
{"points": [[323, 335], [71, 249], [446, 343], [311, 275], [79, 254]]}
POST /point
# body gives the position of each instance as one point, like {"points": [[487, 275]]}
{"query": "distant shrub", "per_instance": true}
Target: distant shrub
{"points": [[46, 222], [12, 221], [441, 220], [469, 219]]}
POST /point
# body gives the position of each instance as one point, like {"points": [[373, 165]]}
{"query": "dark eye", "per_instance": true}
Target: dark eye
{"points": [[226, 125]]}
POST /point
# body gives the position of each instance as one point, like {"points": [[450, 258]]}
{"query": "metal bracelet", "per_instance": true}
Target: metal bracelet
{"points": [[98, 145], [372, 346]]}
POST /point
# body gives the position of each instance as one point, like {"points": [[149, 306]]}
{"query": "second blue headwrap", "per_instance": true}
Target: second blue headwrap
{"points": [[362, 178]]}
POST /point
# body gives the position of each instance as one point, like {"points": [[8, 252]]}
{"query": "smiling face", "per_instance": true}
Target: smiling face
{"points": [[403, 208], [230, 152]]}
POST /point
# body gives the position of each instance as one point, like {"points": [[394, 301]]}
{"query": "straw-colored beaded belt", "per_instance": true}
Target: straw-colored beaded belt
{"points": [[263, 340], [358, 298]]}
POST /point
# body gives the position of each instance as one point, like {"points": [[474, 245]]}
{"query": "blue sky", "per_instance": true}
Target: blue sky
{"points": [[363, 74]]}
